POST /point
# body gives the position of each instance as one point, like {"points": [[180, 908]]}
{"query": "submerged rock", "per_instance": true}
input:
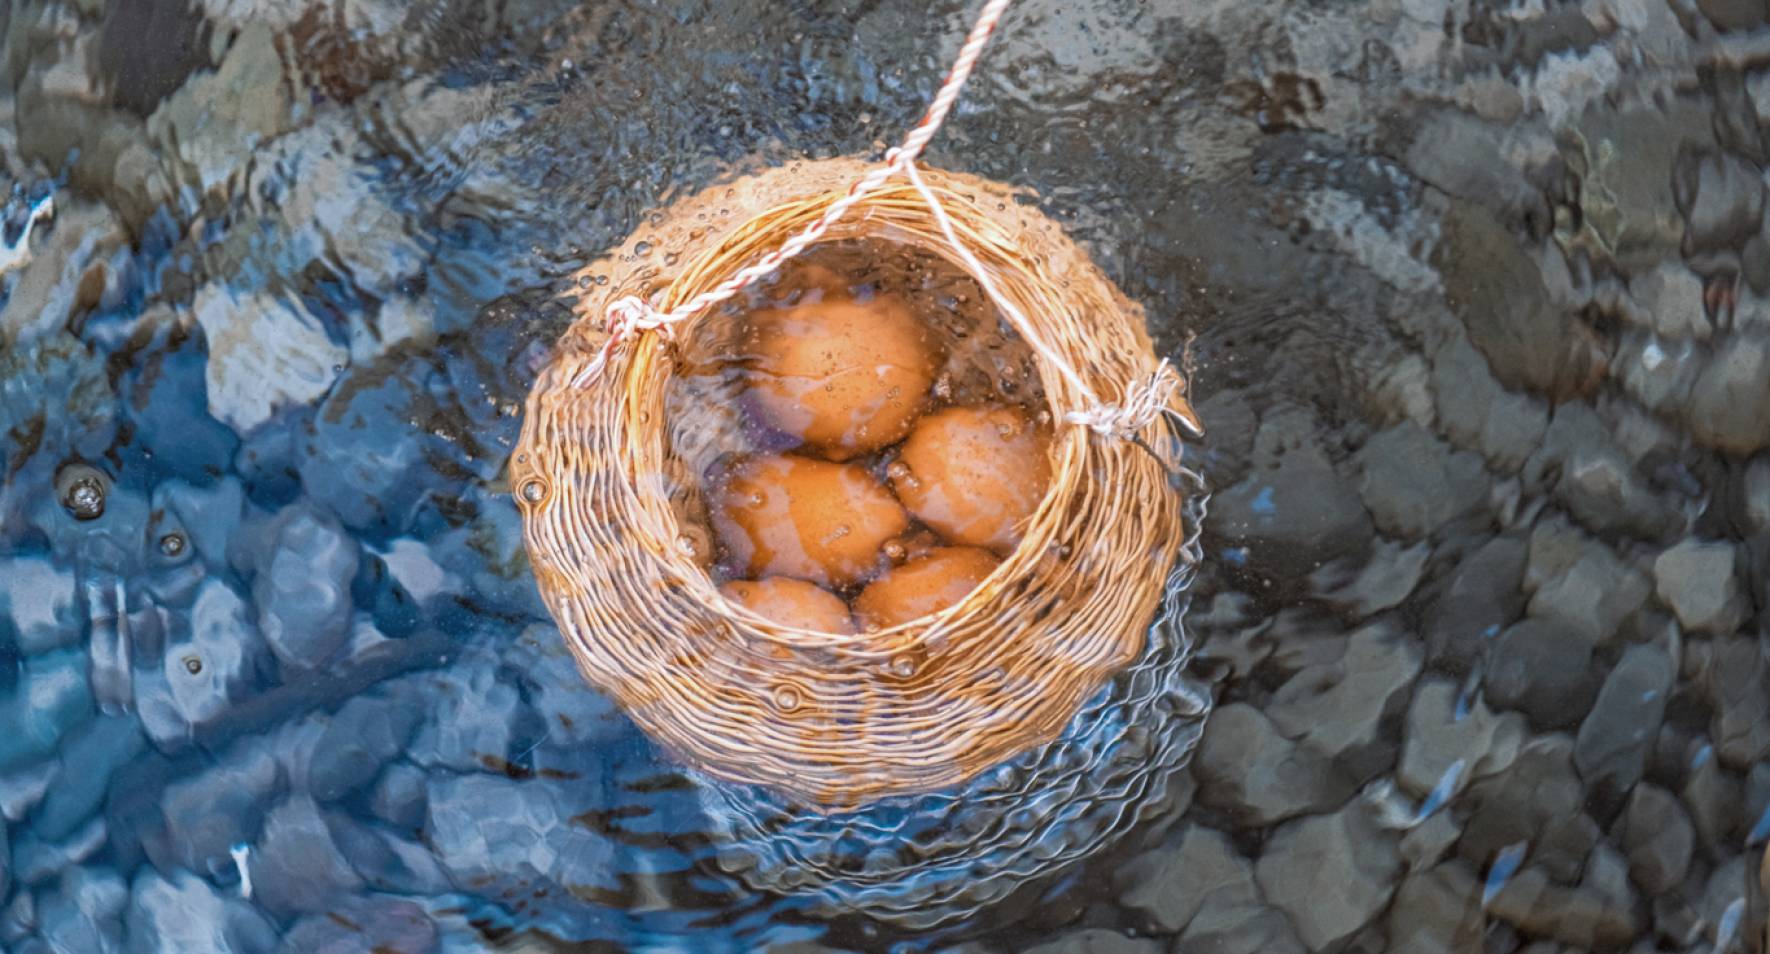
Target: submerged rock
{"points": [[378, 923], [1450, 741], [37, 603], [205, 815], [265, 355], [296, 867], [1581, 584], [1699, 581], [1484, 593], [1258, 776], [1730, 408], [1659, 837], [1334, 708], [50, 698], [1413, 483], [184, 913], [1437, 911], [1737, 687], [1541, 669], [1198, 871], [302, 586], [1611, 749], [1293, 505], [1097, 941], [1330, 873]]}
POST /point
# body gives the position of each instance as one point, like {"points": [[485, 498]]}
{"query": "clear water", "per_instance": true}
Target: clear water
{"points": [[1479, 299]]}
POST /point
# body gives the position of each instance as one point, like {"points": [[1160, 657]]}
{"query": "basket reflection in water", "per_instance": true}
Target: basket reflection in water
{"points": [[847, 734]]}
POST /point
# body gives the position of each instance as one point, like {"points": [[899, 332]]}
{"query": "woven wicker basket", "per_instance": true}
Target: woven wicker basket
{"points": [[842, 720]]}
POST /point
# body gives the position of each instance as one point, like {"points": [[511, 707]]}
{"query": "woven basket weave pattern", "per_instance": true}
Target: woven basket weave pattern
{"points": [[841, 720]]}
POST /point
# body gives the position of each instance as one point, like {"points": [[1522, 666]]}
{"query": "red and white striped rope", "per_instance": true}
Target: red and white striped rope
{"points": [[1142, 402]]}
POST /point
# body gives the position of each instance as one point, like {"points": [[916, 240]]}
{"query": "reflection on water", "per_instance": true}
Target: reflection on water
{"points": [[1482, 303]]}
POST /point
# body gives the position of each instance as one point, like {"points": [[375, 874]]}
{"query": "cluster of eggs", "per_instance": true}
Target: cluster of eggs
{"points": [[880, 492]]}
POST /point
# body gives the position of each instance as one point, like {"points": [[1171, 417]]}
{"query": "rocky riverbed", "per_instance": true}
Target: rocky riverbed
{"points": [[1478, 296]]}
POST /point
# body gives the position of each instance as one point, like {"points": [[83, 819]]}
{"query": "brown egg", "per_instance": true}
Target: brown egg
{"points": [[923, 586], [809, 519], [790, 602], [974, 474], [843, 376]]}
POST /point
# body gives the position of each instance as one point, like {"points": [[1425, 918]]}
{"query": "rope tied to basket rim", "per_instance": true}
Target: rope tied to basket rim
{"points": [[1142, 401]]}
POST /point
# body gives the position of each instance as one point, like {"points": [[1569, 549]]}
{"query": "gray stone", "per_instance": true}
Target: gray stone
{"points": [[1668, 300], [296, 866], [1720, 195], [385, 925], [385, 861], [398, 796], [1382, 582], [1660, 839], [217, 119], [473, 715], [206, 814], [574, 715], [1293, 506], [1757, 495], [1240, 929], [1594, 477], [1737, 687], [1330, 873], [1447, 738], [1498, 292], [265, 355], [1537, 667], [360, 738], [1714, 798], [1700, 582], [36, 860], [88, 762], [1247, 769], [183, 914], [1413, 483], [1097, 941], [1579, 583], [1477, 413], [1538, 801], [1730, 408], [22, 790], [1660, 374], [50, 698], [1578, 916], [1198, 871], [1733, 14], [302, 586], [1335, 707], [1483, 594], [216, 665], [37, 601], [1611, 748], [1437, 911], [489, 830], [1425, 844], [84, 912]]}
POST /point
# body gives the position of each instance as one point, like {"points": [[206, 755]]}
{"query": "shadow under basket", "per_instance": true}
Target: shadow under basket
{"points": [[839, 721]]}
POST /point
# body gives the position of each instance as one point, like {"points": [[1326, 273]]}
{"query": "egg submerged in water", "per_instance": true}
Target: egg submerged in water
{"points": [[925, 585], [786, 515], [791, 602], [843, 375], [974, 474]]}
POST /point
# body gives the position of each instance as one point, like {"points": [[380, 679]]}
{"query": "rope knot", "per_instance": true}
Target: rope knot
{"points": [[1139, 406]]}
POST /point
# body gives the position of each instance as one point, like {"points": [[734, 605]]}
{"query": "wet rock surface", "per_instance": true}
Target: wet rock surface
{"points": [[1479, 305]]}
